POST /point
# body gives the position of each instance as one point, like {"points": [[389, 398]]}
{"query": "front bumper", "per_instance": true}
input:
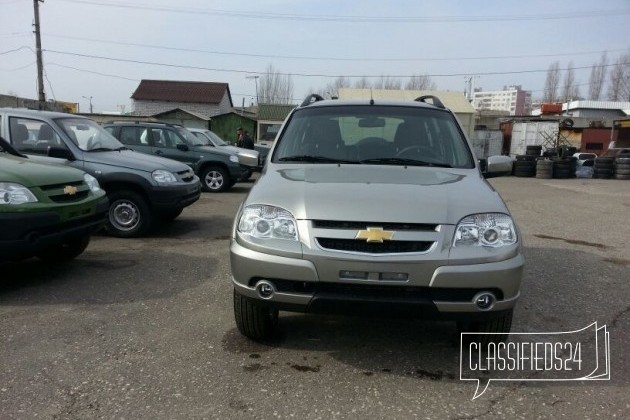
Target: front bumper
{"points": [[444, 291], [27, 234], [172, 197]]}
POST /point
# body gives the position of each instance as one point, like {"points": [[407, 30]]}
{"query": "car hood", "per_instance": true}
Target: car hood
{"points": [[32, 174], [134, 160], [377, 193], [212, 149], [240, 151]]}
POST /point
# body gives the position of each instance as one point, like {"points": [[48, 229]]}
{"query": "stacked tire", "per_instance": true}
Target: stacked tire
{"points": [[562, 168], [622, 168], [603, 167], [533, 150], [544, 169], [525, 166]]}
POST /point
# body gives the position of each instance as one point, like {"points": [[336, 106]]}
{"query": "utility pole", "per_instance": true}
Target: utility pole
{"points": [[40, 65], [255, 81]]}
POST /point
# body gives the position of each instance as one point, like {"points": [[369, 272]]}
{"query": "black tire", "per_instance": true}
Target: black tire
{"points": [[65, 251], [500, 324], [525, 164], [622, 176], [524, 174], [129, 215], [525, 158], [602, 176], [623, 161], [604, 159], [215, 179], [253, 319]]}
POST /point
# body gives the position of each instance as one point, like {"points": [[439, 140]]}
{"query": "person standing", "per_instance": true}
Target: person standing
{"points": [[243, 140]]}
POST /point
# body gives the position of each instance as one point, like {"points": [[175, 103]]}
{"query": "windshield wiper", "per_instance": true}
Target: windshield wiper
{"points": [[122, 148], [402, 161], [102, 149], [318, 159]]}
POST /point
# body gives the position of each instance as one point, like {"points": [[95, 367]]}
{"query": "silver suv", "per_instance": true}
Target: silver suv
{"points": [[367, 207]]}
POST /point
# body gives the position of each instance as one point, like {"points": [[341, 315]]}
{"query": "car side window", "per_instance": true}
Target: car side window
{"points": [[173, 139], [134, 136], [33, 136]]}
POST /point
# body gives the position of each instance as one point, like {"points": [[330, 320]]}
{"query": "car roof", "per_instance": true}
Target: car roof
{"points": [[369, 102], [34, 112]]}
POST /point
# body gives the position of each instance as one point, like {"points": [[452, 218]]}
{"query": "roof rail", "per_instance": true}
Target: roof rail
{"points": [[313, 97], [434, 100]]}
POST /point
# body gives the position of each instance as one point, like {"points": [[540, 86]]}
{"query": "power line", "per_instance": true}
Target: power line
{"points": [[92, 72], [23, 47], [356, 18], [251, 72], [365, 59]]}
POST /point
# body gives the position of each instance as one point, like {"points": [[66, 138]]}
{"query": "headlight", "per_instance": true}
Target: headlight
{"points": [[13, 194], [234, 158], [91, 182], [486, 229], [163, 177], [262, 221]]}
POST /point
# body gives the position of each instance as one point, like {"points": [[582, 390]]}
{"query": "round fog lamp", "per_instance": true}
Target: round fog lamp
{"points": [[263, 226]]}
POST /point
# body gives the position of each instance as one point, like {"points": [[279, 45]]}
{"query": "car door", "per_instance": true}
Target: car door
{"points": [[169, 144], [34, 137], [136, 138]]}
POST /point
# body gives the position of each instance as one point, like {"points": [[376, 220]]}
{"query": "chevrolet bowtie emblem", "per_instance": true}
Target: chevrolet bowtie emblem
{"points": [[70, 190], [375, 234]]}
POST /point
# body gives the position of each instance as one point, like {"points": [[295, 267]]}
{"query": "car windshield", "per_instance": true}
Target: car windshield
{"points": [[191, 138], [88, 135], [375, 135], [218, 141]]}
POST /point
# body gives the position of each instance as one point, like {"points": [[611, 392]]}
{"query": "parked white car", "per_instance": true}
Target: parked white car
{"points": [[585, 157], [246, 157]]}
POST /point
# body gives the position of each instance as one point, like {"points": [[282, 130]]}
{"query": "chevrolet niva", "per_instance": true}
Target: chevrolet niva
{"points": [[46, 210], [374, 207]]}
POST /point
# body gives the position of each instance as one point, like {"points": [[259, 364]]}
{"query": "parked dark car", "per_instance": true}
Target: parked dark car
{"points": [[141, 189], [217, 169]]}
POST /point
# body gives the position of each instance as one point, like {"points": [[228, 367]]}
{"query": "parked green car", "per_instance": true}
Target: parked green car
{"points": [[46, 210]]}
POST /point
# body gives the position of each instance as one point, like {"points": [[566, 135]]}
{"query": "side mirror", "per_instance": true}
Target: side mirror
{"points": [[183, 147], [60, 152]]}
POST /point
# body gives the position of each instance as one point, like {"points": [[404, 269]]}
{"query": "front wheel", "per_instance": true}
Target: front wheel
{"points": [[129, 214], [65, 251], [214, 179], [256, 321]]}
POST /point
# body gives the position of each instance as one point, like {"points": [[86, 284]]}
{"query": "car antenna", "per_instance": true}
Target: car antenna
{"points": [[371, 96]]}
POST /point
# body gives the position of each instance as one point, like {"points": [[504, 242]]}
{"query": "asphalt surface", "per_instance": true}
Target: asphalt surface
{"points": [[143, 328]]}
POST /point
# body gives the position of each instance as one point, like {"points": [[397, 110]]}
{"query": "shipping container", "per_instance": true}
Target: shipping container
{"points": [[551, 108], [487, 143], [532, 133]]}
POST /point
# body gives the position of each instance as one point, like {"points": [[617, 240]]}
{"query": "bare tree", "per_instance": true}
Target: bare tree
{"points": [[420, 82], [387, 82], [619, 88], [332, 89], [597, 79], [570, 89], [552, 82], [275, 87], [362, 83]]}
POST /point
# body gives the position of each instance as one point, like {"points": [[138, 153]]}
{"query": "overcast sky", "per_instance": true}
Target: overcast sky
{"points": [[227, 41]]}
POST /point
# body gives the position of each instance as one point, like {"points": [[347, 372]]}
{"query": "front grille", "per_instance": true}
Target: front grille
{"points": [[334, 224], [186, 176], [57, 192], [387, 247]]}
